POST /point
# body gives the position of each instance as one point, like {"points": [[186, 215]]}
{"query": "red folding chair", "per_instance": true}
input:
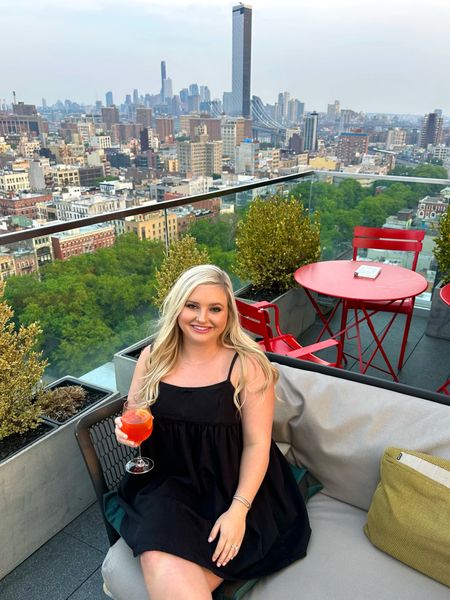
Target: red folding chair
{"points": [[256, 318], [445, 296], [404, 240]]}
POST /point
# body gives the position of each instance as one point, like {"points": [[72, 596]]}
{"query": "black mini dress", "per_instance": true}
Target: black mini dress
{"points": [[196, 445]]}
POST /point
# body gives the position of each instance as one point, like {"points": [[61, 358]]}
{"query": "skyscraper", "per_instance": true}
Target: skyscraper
{"points": [[109, 99], [163, 77], [431, 132], [167, 91], [241, 67], [310, 135]]}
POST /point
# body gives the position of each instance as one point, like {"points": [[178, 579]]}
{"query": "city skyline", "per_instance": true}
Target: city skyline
{"points": [[377, 57]]}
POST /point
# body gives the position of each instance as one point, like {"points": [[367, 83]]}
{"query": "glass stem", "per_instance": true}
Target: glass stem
{"points": [[139, 456]]}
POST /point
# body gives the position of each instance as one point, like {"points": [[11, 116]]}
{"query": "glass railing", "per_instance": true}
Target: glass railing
{"points": [[92, 305]]}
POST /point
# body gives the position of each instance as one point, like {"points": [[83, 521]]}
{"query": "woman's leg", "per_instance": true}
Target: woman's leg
{"points": [[170, 577]]}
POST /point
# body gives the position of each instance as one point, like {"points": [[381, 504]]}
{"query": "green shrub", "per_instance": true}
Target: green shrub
{"points": [[275, 238], [442, 246], [21, 370], [182, 255]]}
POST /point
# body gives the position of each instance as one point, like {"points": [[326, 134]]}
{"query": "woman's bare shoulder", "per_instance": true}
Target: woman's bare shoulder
{"points": [[254, 370]]}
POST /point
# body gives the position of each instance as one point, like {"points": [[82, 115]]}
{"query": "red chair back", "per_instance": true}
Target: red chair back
{"points": [[379, 238], [255, 320]]}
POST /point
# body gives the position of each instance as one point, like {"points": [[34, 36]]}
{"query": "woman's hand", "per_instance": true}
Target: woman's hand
{"points": [[121, 436], [231, 526]]}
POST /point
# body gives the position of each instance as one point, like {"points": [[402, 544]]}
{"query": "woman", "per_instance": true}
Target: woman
{"points": [[221, 502]]}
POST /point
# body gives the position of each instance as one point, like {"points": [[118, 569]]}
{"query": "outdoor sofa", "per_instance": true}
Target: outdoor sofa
{"points": [[337, 425]]}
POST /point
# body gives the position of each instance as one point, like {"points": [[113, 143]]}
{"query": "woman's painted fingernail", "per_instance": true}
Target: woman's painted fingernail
{"points": [[210, 539]]}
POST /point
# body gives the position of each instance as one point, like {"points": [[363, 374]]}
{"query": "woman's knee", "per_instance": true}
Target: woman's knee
{"points": [[154, 561]]}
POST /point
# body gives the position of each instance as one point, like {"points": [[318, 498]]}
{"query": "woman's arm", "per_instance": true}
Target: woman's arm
{"points": [[257, 419], [257, 416], [135, 388]]}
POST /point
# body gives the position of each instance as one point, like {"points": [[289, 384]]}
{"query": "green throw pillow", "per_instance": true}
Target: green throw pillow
{"points": [[409, 517]]}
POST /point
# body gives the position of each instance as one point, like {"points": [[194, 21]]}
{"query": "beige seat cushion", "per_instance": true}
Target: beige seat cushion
{"points": [[339, 429], [341, 563]]}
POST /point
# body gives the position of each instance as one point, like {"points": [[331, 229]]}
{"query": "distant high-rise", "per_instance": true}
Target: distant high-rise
{"points": [[144, 116], [333, 111], [352, 146], [431, 132], [194, 90], [143, 135], [110, 115], [205, 94], [310, 134], [241, 65], [135, 97], [163, 72], [109, 99], [167, 91], [24, 110]]}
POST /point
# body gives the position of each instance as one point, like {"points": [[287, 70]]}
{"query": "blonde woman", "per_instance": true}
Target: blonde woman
{"points": [[221, 502]]}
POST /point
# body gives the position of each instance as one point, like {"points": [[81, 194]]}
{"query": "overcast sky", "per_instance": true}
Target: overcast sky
{"points": [[372, 55]]}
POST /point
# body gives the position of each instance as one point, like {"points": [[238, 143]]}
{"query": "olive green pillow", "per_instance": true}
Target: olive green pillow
{"points": [[409, 517]]}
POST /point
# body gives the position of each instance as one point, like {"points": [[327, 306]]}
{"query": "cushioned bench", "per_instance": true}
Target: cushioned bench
{"points": [[338, 425]]}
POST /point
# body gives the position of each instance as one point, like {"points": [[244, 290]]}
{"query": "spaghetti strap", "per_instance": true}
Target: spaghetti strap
{"points": [[232, 365]]}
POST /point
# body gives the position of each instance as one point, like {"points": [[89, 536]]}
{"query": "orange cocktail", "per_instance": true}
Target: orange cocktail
{"points": [[137, 424]]}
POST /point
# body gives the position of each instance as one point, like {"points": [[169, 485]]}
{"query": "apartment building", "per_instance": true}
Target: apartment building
{"points": [[69, 209], [233, 132], [7, 267], [25, 261], [431, 208], [27, 148], [352, 146], [165, 129], [65, 175], [247, 158], [213, 157], [82, 241], [22, 204], [152, 226], [14, 181], [43, 250]]}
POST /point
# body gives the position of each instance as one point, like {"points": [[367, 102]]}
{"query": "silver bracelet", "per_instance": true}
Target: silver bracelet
{"points": [[243, 500]]}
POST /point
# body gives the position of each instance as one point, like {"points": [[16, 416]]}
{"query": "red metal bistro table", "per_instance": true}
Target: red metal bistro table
{"points": [[337, 278]]}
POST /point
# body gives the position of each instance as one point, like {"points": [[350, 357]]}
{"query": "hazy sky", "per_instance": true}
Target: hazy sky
{"points": [[372, 55]]}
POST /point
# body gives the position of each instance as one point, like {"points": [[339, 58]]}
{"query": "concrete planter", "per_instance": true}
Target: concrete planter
{"points": [[43, 487], [125, 362], [296, 311], [439, 319], [104, 395]]}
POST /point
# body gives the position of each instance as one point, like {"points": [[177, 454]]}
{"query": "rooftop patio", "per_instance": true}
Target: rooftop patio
{"points": [[69, 565]]}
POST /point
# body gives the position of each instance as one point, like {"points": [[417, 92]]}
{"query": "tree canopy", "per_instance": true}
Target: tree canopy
{"points": [[89, 306]]}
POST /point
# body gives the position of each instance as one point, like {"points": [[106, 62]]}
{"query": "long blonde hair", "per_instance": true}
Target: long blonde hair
{"points": [[167, 344]]}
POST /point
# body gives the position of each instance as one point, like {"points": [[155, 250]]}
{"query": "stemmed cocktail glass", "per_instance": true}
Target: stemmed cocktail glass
{"points": [[137, 423]]}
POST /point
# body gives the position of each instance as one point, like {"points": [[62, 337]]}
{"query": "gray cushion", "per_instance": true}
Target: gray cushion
{"points": [[341, 563], [339, 429]]}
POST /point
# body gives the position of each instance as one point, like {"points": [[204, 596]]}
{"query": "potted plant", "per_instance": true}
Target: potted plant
{"points": [[276, 237], [42, 476], [182, 254], [439, 319]]}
